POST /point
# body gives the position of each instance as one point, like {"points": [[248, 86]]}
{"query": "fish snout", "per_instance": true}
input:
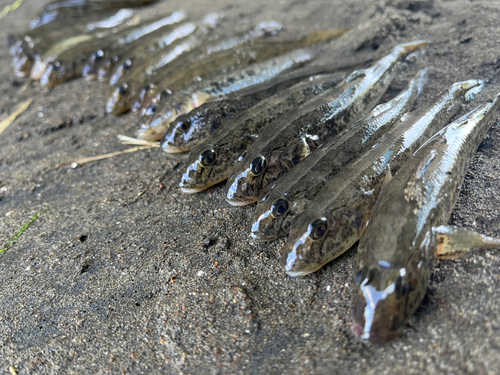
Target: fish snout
{"points": [[53, 74], [245, 184], [237, 189], [118, 100], [269, 219], [378, 316], [172, 141], [261, 224]]}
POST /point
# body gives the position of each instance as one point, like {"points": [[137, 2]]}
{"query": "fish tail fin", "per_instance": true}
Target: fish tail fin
{"points": [[471, 94], [452, 240], [324, 36], [406, 49]]}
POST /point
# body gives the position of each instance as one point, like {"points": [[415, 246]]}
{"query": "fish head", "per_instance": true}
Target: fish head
{"points": [[94, 62], [271, 219], [119, 99], [246, 183], [155, 122], [22, 65], [148, 95], [120, 71], [386, 296], [190, 129], [312, 236], [466, 90], [104, 67], [55, 73], [207, 165]]}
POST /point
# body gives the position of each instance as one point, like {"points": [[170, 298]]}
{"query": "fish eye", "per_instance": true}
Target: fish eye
{"points": [[207, 158], [127, 64], [99, 54], [279, 207], [258, 165], [318, 228], [164, 94], [359, 277], [184, 125], [400, 288], [56, 66], [405, 290], [123, 89], [151, 110]]}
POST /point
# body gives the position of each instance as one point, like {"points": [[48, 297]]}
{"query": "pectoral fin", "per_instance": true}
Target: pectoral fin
{"points": [[452, 241]]}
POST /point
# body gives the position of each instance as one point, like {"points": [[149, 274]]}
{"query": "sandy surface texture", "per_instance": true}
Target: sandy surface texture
{"points": [[125, 274]]}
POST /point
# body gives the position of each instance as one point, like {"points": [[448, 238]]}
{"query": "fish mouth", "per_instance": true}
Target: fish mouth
{"points": [[242, 201], [357, 329], [191, 190], [297, 273], [198, 189], [263, 237]]}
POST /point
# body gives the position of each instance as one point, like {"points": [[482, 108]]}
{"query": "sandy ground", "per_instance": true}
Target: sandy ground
{"points": [[125, 274]]}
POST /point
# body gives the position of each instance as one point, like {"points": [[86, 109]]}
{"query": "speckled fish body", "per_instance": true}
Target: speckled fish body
{"points": [[152, 38], [123, 61], [292, 138], [98, 31], [182, 103], [212, 161], [396, 253], [57, 11], [42, 36], [260, 50], [164, 63], [337, 216], [71, 63], [291, 194], [96, 4], [29, 47], [146, 61], [191, 129]]}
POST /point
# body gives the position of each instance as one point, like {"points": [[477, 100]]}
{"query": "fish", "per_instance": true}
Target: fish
{"points": [[121, 96], [72, 9], [29, 40], [71, 63], [337, 216], [260, 50], [96, 31], [29, 47], [95, 4], [293, 137], [193, 128], [194, 95], [212, 161], [291, 195], [407, 230], [147, 41], [124, 62]]}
